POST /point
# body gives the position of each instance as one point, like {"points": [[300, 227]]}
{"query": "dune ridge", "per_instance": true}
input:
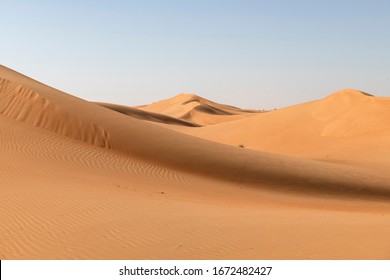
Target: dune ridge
{"points": [[25, 105]]}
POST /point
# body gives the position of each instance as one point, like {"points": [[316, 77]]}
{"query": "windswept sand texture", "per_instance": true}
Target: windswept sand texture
{"points": [[84, 180]]}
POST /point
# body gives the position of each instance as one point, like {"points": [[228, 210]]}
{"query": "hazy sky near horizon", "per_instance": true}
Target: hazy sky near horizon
{"points": [[253, 54]]}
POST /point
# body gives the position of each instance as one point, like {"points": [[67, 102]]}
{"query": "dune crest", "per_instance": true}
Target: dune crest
{"points": [[350, 94], [25, 105]]}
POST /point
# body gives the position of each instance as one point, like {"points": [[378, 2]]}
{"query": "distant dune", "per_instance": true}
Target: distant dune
{"points": [[188, 178], [348, 126], [196, 109]]}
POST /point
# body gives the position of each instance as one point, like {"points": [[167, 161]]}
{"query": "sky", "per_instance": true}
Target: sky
{"points": [[247, 53]]}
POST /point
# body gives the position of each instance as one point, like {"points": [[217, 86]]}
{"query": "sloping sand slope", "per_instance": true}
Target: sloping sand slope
{"points": [[147, 116], [79, 180]]}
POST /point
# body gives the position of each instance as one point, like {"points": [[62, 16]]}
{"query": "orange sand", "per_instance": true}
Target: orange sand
{"points": [[84, 180]]}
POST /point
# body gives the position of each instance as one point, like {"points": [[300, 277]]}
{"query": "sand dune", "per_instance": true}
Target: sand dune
{"points": [[196, 109], [348, 126], [85, 180]]}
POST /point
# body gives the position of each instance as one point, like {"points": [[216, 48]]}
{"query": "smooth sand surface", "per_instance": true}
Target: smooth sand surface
{"points": [[84, 180], [196, 109]]}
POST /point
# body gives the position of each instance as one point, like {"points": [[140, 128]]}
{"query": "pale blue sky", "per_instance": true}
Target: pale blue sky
{"points": [[254, 54]]}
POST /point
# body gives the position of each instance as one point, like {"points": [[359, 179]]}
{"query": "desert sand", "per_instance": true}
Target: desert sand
{"points": [[188, 178]]}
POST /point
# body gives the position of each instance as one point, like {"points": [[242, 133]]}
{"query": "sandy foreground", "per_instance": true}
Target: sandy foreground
{"points": [[188, 178]]}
